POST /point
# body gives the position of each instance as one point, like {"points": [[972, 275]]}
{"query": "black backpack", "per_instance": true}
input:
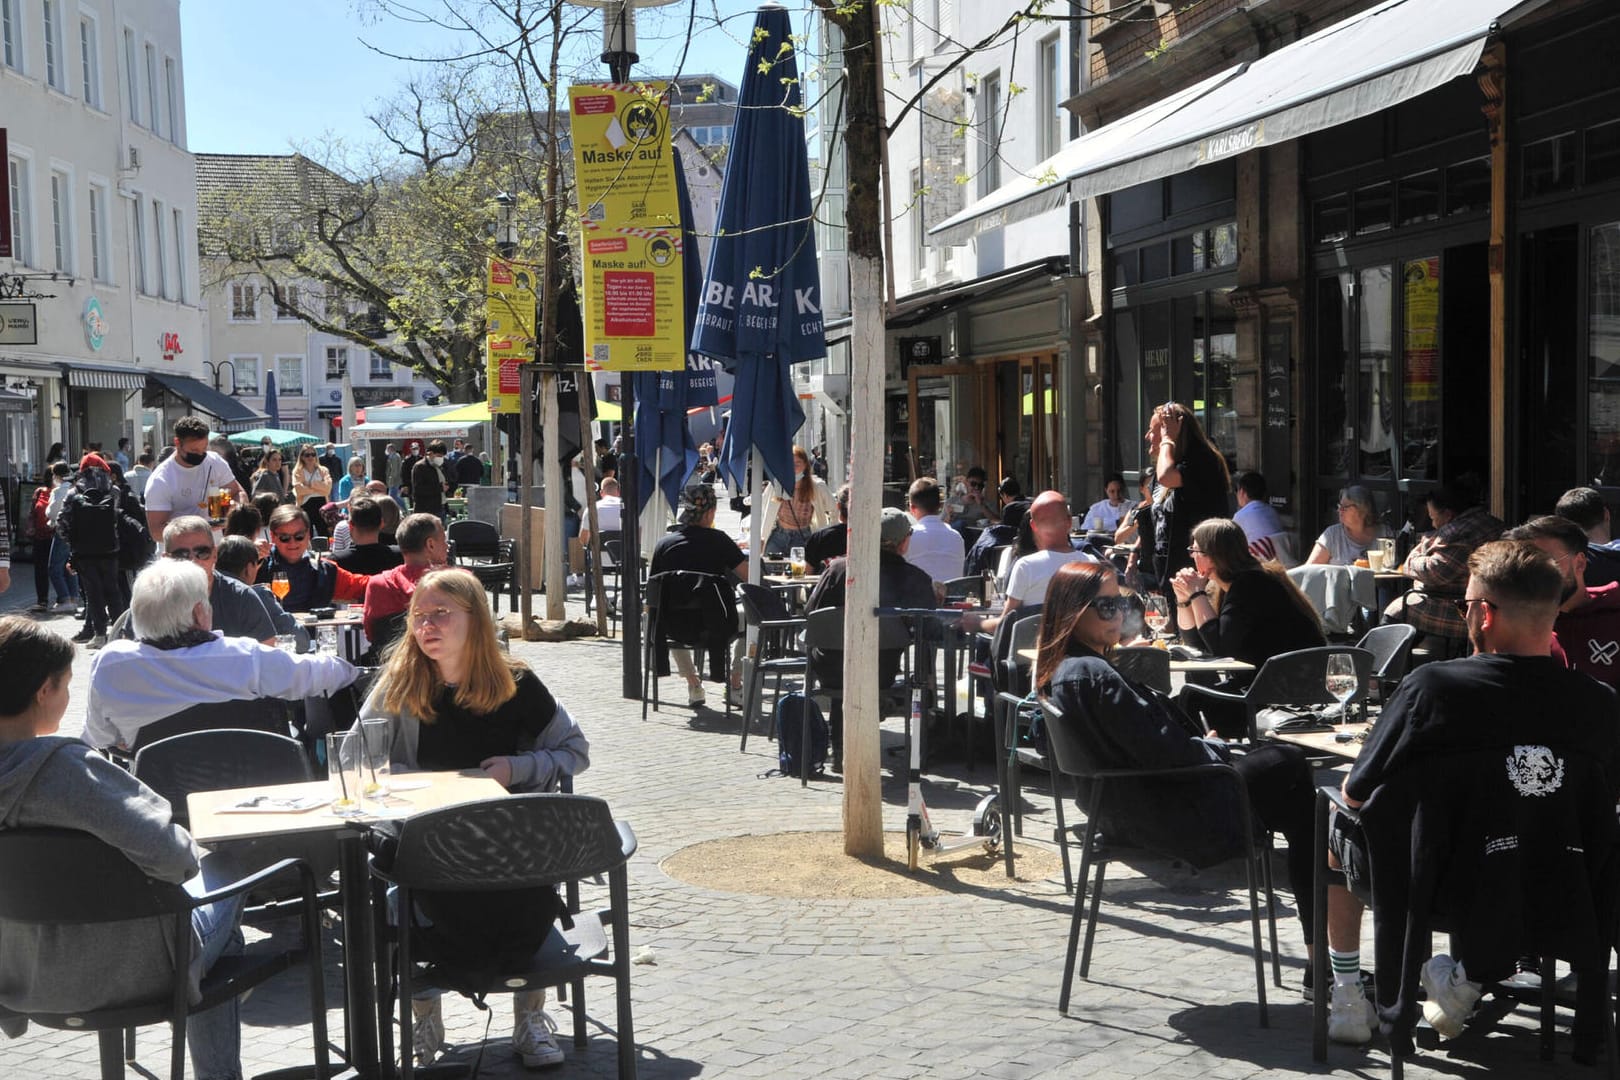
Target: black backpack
{"points": [[789, 723], [91, 526]]}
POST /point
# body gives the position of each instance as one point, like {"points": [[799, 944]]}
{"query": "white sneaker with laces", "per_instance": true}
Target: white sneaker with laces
{"points": [[1351, 1017], [695, 694], [534, 1035], [1451, 995], [427, 1029]]}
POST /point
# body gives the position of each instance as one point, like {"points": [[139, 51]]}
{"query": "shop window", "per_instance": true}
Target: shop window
{"points": [[1419, 198], [1187, 253], [1603, 345], [1127, 269], [1334, 341], [1468, 186], [1420, 377], [1603, 153], [1202, 187], [1135, 207], [1155, 262], [1223, 246], [1375, 207], [1128, 407], [1375, 372], [1549, 165], [1330, 219]]}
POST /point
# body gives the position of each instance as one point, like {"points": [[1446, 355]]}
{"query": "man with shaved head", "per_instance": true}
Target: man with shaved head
{"points": [[1049, 521]]}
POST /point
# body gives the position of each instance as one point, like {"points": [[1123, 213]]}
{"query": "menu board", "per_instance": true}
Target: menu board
{"points": [[1276, 411]]}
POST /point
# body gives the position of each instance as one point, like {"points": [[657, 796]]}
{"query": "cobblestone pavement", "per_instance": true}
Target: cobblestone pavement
{"points": [[959, 984]]}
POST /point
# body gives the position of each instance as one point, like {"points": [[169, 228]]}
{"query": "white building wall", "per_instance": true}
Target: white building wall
{"points": [[78, 129]]}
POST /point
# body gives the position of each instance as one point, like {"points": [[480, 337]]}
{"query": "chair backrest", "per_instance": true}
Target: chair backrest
{"points": [[824, 631], [963, 588], [1001, 645], [521, 841], [254, 714], [1391, 649], [1144, 664], [473, 538], [688, 607], [761, 604], [216, 760], [1296, 678], [67, 877], [612, 551]]}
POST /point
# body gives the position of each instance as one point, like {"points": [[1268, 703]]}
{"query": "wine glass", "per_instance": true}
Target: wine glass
{"points": [[1157, 613], [1341, 680], [280, 585]]}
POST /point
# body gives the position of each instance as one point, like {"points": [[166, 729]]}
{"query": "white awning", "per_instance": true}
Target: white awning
{"points": [[1354, 68]]}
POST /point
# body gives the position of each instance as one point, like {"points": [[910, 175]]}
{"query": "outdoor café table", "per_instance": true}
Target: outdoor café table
{"points": [[412, 794], [348, 623], [1319, 743], [795, 590], [1206, 665]]}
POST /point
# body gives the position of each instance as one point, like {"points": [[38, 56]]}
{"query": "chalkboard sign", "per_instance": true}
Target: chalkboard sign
{"points": [[1276, 410]]}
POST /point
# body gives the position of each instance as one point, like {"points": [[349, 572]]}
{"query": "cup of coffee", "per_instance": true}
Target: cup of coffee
{"points": [[1375, 559]]}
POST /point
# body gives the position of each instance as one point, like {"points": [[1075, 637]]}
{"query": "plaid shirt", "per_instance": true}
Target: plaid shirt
{"points": [[1440, 565]]}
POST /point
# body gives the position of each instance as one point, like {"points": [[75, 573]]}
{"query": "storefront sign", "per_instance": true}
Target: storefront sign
{"points": [[631, 235], [18, 324], [95, 324], [1230, 143], [1276, 408], [920, 350], [170, 344]]}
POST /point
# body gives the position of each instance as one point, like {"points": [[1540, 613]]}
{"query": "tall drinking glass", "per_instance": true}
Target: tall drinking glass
{"points": [[345, 768], [1341, 681], [378, 736]]}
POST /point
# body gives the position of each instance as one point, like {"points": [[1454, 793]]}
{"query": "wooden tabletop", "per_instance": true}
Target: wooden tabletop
{"points": [[411, 794], [1327, 742], [787, 581], [352, 617], [1208, 664]]}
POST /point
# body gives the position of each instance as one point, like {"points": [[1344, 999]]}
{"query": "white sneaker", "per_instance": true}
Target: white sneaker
{"points": [[1451, 995], [97, 641], [427, 1029], [1351, 1017], [695, 694], [67, 605], [534, 1037]]}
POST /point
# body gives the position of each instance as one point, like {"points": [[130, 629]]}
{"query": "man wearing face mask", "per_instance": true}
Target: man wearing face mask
{"points": [[428, 482], [181, 483]]}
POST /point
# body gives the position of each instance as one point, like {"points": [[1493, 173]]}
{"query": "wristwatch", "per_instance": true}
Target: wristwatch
{"points": [[1184, 603]]}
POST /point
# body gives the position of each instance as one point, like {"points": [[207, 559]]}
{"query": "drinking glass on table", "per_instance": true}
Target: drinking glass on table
{"points": [[326, 639], [287, 643], [1341, 680], [796, 563], [1156, 613], [280, 585], [377, 735], [345, 769]]}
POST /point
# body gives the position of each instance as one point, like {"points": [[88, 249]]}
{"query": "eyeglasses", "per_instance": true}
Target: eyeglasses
{"points": [[306, 455], [200, 554], [974, 485], [1109, 607], [290, 538], [1195, 551], [1462, 605], [436, 617]]}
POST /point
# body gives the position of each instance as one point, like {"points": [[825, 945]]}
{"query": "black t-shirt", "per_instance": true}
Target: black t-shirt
{"points": [[693, 547], [1202, 495], [1260, 618], [460, 739], [825, 544], [1486, 701], [368, 559]]}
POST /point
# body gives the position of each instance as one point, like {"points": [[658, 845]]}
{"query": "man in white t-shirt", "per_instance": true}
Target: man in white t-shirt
{"points": [[936, 549], [609, 511], [181, 483], [1026, 586]]}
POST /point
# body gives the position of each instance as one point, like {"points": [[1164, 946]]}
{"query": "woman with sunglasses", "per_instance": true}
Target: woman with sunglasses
{"points": [[311, 582], [457, 702], [1124, 725], [312, 484]]}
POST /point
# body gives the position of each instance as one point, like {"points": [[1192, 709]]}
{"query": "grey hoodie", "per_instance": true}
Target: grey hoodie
{"points": [[62, 783]]}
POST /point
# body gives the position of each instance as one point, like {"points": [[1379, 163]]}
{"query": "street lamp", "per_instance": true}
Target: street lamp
{"points": [[214, 367], [506, 243], [619, 32]]}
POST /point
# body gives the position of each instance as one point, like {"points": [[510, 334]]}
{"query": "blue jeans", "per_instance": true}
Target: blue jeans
{"points": [[65, 584], [215, 1037]]}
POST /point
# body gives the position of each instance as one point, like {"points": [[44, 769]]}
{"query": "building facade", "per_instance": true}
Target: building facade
{"points": [[101, 296]]}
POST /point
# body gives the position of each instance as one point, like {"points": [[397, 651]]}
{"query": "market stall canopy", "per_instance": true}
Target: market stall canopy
{"points": [[280, 438], [1356, 67], [231, 413], [476, 413], [413, 429]]}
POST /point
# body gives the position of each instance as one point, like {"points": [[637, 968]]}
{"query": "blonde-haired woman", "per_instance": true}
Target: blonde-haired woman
{"points": [[458, 702], [808, 507]]}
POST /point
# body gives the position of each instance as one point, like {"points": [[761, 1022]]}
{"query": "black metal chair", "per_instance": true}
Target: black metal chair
{"points": [[777, 654], [1287, 679], [1391, 649], [1144, 664], [64, 878], [474, 540], [523, 842], [824, 634], [254, 714], [612, 571], [691, 610], [1251, 844]]}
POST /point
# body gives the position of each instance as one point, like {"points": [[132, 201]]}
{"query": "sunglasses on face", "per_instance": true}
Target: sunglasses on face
{"points": [[290, 538], [1108, 607], [1463, 605], [200, 554]]}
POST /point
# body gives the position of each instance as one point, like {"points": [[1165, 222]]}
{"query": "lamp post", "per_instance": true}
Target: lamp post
{"points": [[619, 54], [214, 367]]}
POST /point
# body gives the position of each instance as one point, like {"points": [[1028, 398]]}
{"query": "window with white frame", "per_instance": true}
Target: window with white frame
{"points": [[382, 370], [337, 361], [287, 306], [990, 127], [132, 79], [171, 86], [244, 301], [11, 34], [143, 273], [22, 212], [830, 223], [245, 374], [153, 102], [98, 233], [61, 223], [90, 61], [159, 250], [55, 61], [919, 235], [289, 376], [1048, 100], [179, 257]]}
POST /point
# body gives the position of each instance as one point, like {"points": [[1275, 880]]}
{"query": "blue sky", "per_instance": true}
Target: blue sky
{"points": [[261, 78]]}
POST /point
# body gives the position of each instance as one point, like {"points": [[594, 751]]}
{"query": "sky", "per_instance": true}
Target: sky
{"points": [[267, 78]]}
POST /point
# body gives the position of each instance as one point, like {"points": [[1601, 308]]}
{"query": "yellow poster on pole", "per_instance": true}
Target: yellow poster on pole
{"points": [[630, 243], [510, 293], [505, 378]]}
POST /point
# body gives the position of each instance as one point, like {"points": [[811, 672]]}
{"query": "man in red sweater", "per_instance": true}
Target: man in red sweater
{"points": [[1588, 627], [423, 545]]}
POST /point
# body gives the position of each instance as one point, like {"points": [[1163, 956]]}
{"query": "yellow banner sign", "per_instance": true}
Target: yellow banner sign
{"points": [[512, 296], [505, 359], [630, 240]]}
